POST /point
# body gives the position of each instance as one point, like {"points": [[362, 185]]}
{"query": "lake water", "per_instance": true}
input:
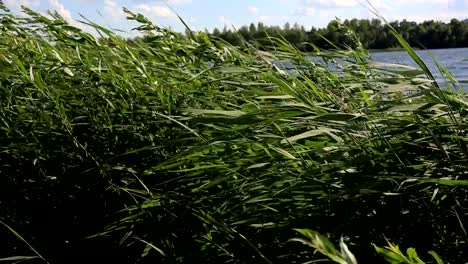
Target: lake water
{"points": [[455, 60]]}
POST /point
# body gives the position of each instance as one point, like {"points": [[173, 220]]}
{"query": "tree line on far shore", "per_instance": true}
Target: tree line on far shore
{"points": [[373, 34]]}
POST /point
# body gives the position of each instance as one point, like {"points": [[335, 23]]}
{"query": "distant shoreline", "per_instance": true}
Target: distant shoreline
{"points": [[389, 49], [395, 49], [401, 49]]}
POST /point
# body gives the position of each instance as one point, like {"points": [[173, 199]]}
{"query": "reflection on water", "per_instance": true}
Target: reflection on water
{"points": [[455, 60]]}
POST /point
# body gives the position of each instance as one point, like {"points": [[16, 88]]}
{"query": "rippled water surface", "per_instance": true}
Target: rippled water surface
{"points": [[455, 60]]}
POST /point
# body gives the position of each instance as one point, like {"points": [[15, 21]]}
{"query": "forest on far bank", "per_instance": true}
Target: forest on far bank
{"points": [[374, 34]]}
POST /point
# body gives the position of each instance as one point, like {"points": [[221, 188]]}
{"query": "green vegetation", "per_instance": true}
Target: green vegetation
{"points": [[373, 34], [392, 253], [175, 149]]}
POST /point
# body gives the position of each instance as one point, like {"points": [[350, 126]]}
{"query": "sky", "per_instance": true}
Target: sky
{"points": [[201, 14]]}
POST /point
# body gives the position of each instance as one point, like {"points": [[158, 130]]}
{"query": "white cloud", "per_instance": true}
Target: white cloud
{"points": [[174, 2], [19, 3], [264, 18], [331, 3], [228, 22], [423, 10], [253, 9], [380, 5], [113, 10], [154, 11], [304, 11], [399, 5], [224, 20], [425, 2], [177, 2], [55, 5], [180, 2], [421, 17], [275, 19]]}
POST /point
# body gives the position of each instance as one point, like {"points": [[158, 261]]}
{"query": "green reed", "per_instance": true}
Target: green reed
{"points": [[179, 148]]}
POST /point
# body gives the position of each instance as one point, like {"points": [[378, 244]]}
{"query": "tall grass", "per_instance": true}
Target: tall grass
{"points": [[186, 149]]}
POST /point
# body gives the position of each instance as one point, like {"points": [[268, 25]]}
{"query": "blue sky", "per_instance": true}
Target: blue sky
{"points": [[202, 14]]}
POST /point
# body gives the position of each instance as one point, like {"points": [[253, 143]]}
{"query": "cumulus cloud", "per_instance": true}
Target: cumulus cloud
{"points": [[56, 5], [224, 20], [154, 11], [175, 2], [113, 10], [274, 19], [228, 22], [18, 3], [381, 5], [425, 2], [376, 3], [425, 16], [179, 2], [253, 9], [304, 11], [443, 10], [330, 3]]}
